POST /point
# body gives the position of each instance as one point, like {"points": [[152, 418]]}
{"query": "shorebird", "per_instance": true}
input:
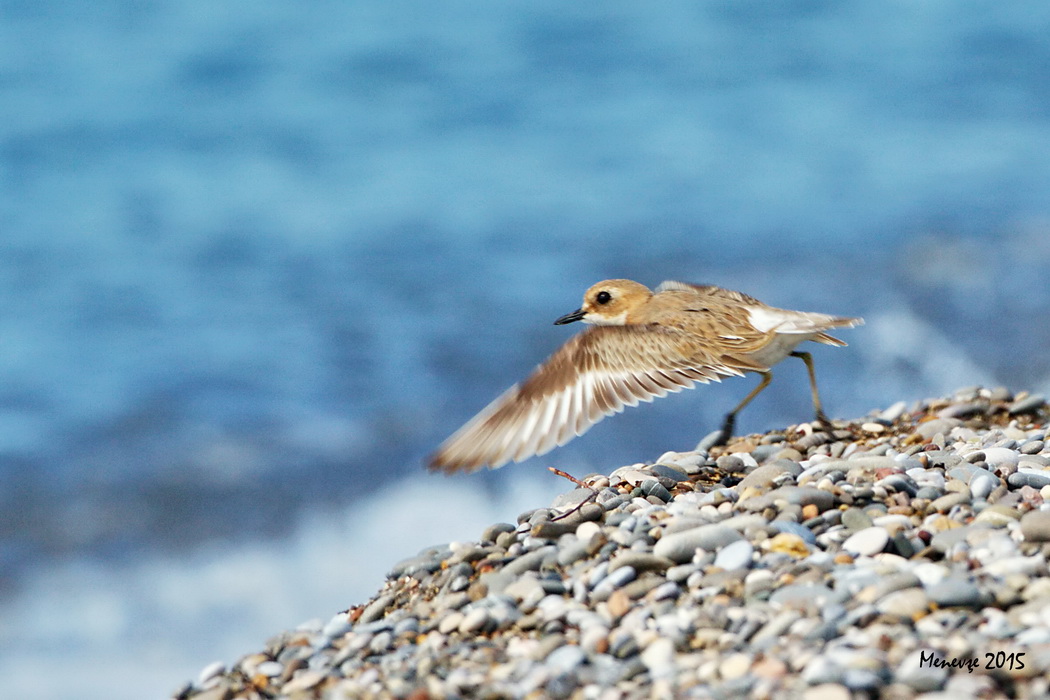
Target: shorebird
{"points": [[642, 344]]}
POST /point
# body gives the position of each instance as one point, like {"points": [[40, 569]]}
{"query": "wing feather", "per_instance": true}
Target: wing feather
{"points": [[596, 374]]}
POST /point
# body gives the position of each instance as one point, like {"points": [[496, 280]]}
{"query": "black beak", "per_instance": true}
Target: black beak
{"points": [[569, 318]]}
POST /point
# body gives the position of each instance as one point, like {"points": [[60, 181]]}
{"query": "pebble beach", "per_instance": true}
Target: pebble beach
{"points": [[904, 555]]}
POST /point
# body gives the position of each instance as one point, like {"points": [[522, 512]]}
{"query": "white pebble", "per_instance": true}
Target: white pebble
{"points": [[867, 542]]}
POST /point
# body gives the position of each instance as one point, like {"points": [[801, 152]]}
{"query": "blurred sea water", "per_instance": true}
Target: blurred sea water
{"points": [[258, 259]]}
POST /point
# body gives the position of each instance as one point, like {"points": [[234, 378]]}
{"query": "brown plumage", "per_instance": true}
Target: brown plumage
{"points": [[641, 345]]}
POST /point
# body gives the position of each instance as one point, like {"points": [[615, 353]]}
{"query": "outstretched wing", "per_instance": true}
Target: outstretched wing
{"points": [[594, 375]]}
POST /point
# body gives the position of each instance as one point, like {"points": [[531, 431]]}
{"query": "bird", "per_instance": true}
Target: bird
{"points": [[641, 344]]}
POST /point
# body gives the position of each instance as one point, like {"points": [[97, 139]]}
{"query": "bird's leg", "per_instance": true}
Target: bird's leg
{"points": [[730, 421], [821, 416]]}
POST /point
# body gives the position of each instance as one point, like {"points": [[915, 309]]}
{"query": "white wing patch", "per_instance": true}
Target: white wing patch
{"points": [[766, 319]]}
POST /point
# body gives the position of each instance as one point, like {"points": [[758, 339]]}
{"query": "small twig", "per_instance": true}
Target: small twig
{"points": [[570, 477]]}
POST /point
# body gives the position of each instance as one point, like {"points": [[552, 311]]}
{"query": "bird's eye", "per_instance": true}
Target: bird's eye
{"points": [[603, 297]]}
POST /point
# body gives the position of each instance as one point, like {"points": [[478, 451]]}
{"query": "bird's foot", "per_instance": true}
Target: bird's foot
{"points": [[713, 439], [718, 437]]}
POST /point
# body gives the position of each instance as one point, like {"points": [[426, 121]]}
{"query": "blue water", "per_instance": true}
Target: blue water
{"points": [[257, 259]]}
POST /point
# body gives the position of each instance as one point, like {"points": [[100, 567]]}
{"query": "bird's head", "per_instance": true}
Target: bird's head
{"points": [[609, 303]]}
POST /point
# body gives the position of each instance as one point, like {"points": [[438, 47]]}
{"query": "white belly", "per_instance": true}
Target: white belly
{"points": [[781, 347]]}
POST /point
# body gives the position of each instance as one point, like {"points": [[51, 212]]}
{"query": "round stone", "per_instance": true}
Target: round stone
{"points": [[1035, 526], [450, 622], [997, 456], [1032, 447], [788, 543], [827, 691], [956, 592], [210, 671], [639, 561], [867, 542], [794, 529], [658, 657], [855, 519], [680, 546], [764, 475], [270, 668], [565, 658], [735, 556], [1029, 404], [909, 603], [981, 485], [1036, 480], [946, 503], [997, 515], [735, 666], [804, 496], [473, 620]]}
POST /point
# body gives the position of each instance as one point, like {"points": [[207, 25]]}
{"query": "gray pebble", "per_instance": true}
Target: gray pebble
{"points": [[681, 572], [409, 625], [667, 471], [531, 561], [1032, 447], [680, 546], [929, 493], [622, 575], [964, 410], [804, 496], [379, 644], [862, 680], [901, 483], [337, 626], [735, 555], [572, 498], [947, 502], [765, 475], [730, 463], [919, 676], [1034, 479], [652, 487], [855, 519], [982, 485], [891, 414], [376, 609], [413, 566], [795, 529], [813, 596], [667, 590], [946, 539], [910, 603], [639, 561], [565, 658], [552, 529], [930, 428], [573, 551], [474, 621], [1029, 404], [956, 592], [1035, 526]]}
